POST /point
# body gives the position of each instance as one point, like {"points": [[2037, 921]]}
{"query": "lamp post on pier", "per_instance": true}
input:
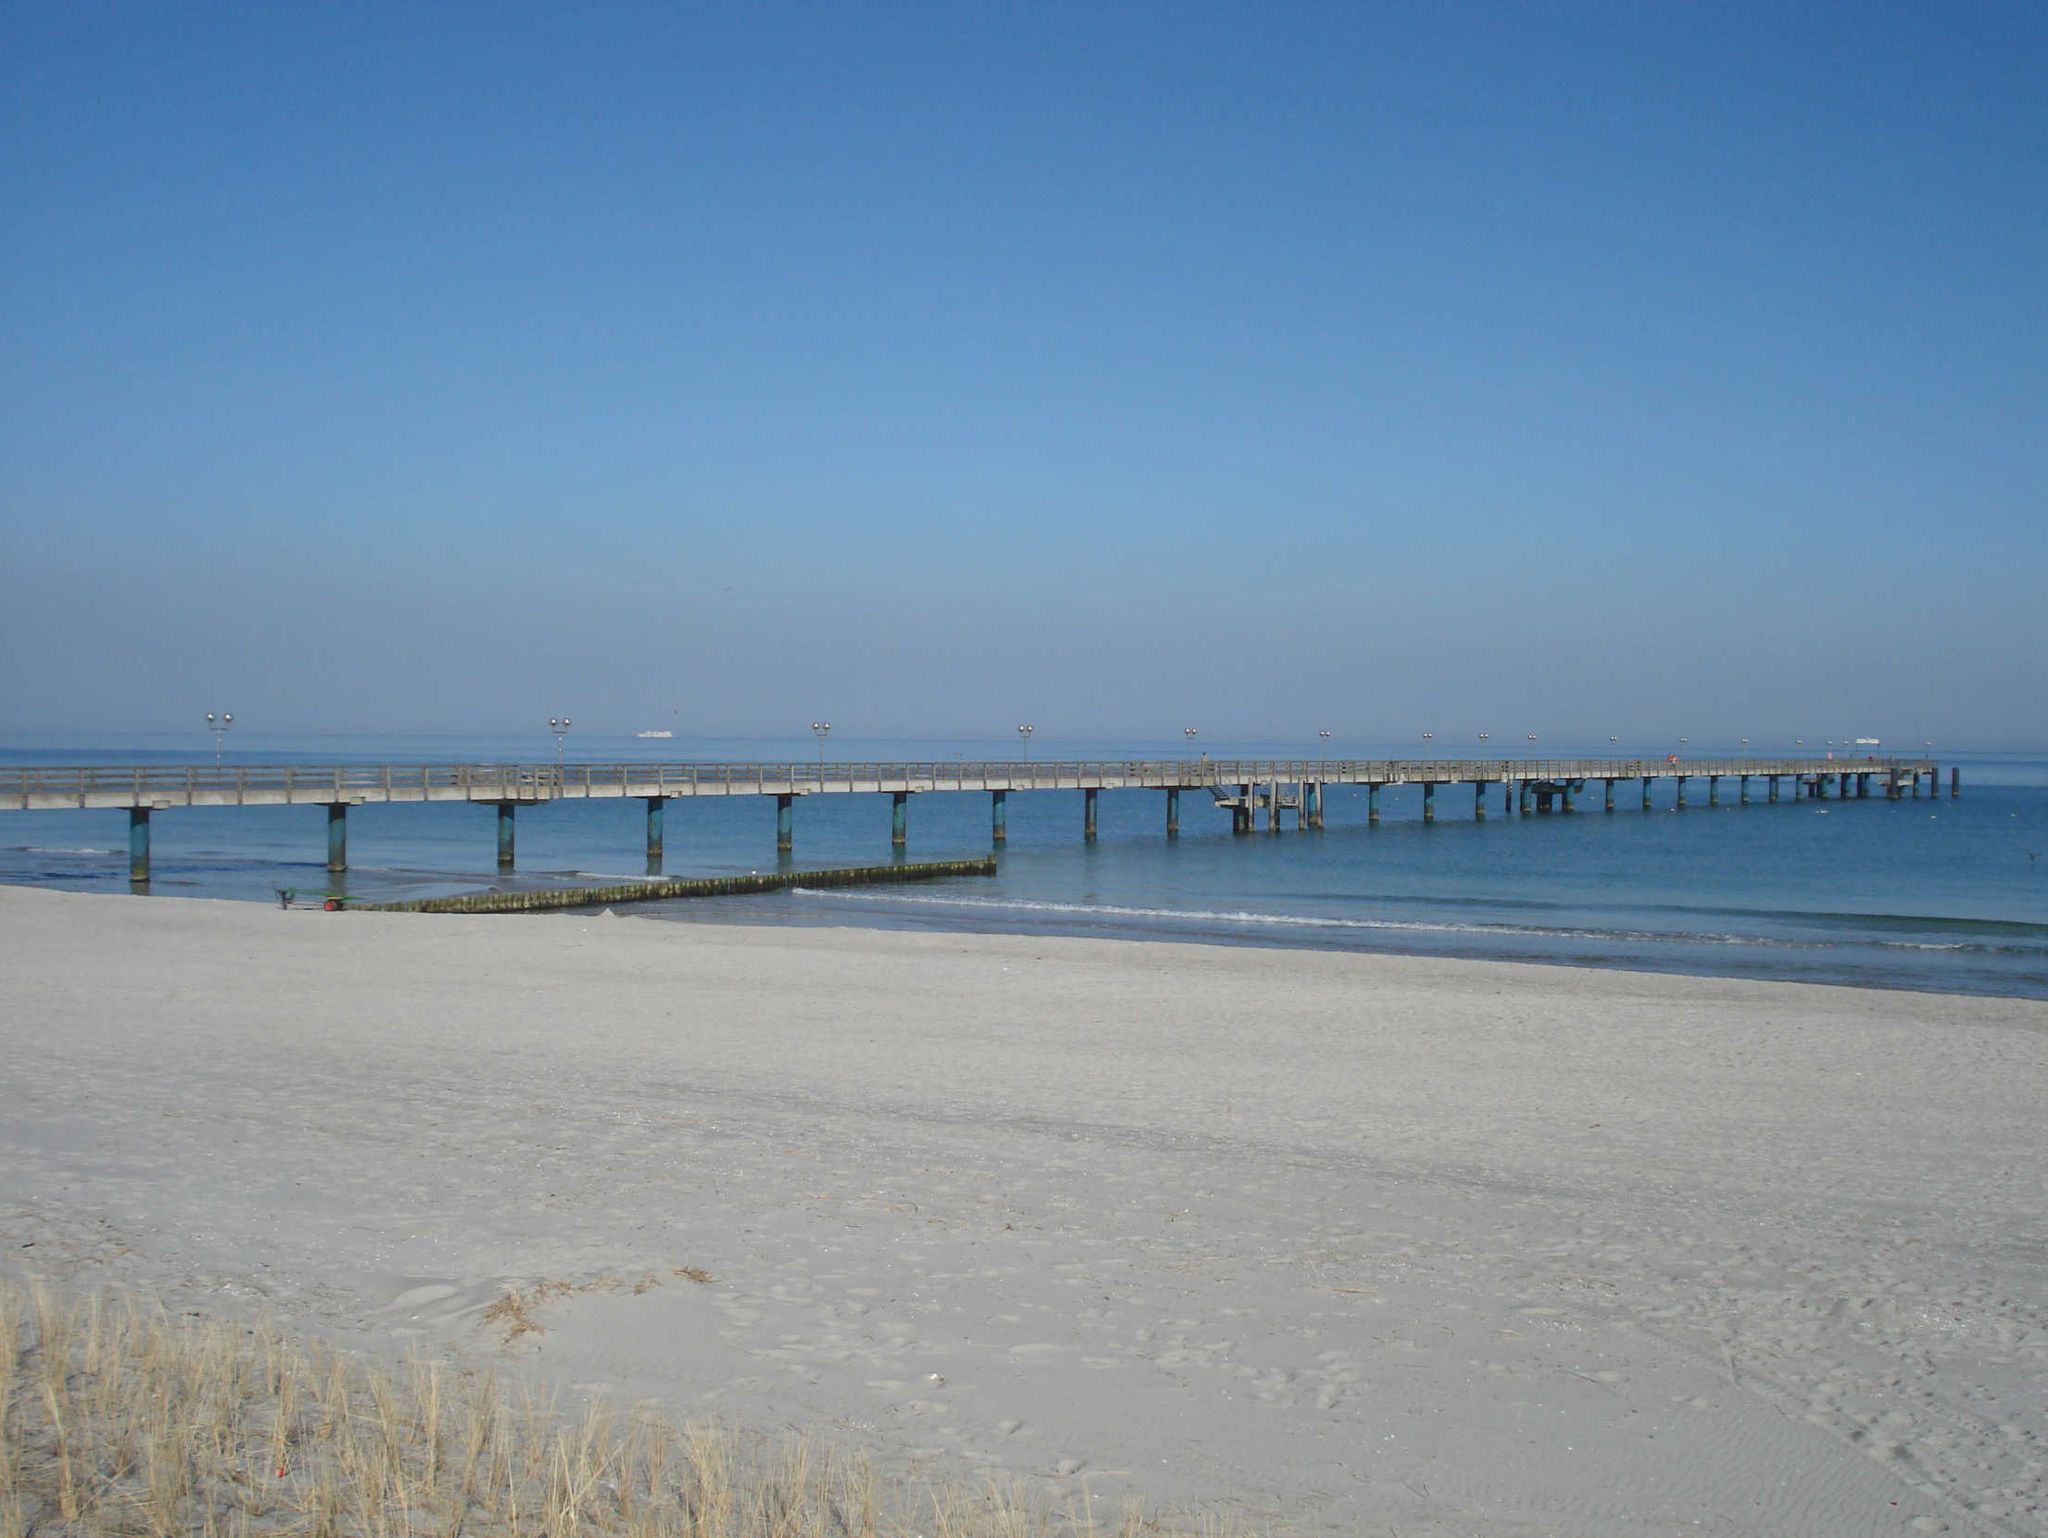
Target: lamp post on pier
{"points": [[1024, 735], [559, 725], [219, 725], [1323, 751], [821, 730]]}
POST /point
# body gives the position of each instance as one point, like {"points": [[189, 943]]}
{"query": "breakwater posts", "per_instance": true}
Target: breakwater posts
{"points": [[696, 886]]}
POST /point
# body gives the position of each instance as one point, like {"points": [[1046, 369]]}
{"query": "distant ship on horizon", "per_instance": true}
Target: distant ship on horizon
{"points": [[657, 732]]}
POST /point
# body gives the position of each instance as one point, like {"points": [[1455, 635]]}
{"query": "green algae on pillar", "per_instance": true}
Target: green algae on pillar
{"points": [[1372, 806], [337, 836], [1429, 801], [138, 845], [785, 823], [1607, 800], [1088, 813], [654, 813], [899, 817], [999, 813], [1479, 800], [1713, 790], [1681, 792], [1173, 811], [505, 811]]}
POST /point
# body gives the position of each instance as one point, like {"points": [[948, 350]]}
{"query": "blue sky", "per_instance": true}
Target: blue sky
{"points": [[932, 368]]}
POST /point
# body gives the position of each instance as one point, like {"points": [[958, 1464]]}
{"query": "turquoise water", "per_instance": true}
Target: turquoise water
{"points": [[1928, 894]]}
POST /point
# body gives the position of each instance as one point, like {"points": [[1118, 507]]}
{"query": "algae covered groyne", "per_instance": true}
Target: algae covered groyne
{"points": [[696, 886]]}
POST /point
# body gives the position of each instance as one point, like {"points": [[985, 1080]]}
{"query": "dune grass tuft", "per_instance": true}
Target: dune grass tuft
{"points": [[117, 1419]]}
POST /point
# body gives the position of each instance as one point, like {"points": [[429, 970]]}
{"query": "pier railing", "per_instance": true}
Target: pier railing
{"points": [[30, 786]]}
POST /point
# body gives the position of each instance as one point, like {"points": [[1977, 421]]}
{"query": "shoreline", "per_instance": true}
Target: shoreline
{"points": [[1337, 1242]]}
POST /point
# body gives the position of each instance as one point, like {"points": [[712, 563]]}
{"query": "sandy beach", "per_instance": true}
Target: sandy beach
{"points": [[1323, 1243]]}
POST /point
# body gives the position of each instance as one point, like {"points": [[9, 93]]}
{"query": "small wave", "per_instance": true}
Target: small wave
{"points": [[1246, 918], [60, 849]]}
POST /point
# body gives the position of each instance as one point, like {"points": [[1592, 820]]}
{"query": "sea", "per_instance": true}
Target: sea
{"points": [[1933, 893]]}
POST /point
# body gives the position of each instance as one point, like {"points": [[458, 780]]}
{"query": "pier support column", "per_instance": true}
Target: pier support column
{"points": [[1774, 785], [998, 816], [1713, 790], [1372, 806], [1681, 792], [1088, 814], [1742, 790], [1525, 798], [655, 805], [1173, 811], [505, 811], [1607, 800], [1507, 797], [337, 836], [1820, 787], [1429, 801], [899, 818], [138, 845], [1312, 794], [785, 824], [1647, 783], [1479, 800], [1273, 807], [1955, 783], [1916, 784], [1564, 796]]}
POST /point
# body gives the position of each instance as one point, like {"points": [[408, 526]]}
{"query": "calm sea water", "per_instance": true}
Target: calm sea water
{"points": [[1926, 894]]}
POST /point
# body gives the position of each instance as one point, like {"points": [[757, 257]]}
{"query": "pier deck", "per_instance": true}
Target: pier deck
{"points": [[40, 788], [1243, 787]]}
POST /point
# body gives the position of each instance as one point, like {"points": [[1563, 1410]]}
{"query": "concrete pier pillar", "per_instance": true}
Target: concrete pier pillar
{"points": [[1820, 787], [1429, 801], [785, 824], [1507, 797], [138, 845], [1543, 800], [1680, 803], [1647, 783], [1916, 784], [505, 811], [1713, 790], [1372, 806], [1773, 779], [1173, 811], [1088, 814], [1955, 782], [1564, 797], [1862, 787], [1607, 801], [1273, 807], [1312, 802], [1525, 798], [899, 818], [998, 816], [337, 836], [1742, 790], [1479, 800], [655, 807]]}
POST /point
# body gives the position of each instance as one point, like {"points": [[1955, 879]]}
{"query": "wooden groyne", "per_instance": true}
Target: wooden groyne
{"points": [[696, 886]]}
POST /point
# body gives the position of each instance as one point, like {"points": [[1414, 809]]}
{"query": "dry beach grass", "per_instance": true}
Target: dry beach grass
{"points": [[116, 1418]]}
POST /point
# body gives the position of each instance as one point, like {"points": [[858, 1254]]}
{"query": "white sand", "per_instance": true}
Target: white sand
{"points": [[1342, 1243]]}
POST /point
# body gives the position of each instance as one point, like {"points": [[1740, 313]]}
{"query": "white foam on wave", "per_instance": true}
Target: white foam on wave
{"points": [[57, 849], [1249, 918]]}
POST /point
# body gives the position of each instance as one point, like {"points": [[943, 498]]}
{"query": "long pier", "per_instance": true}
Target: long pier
{"points": [[1251, 790]]}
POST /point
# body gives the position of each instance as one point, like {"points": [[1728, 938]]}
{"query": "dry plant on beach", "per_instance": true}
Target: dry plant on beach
{"points": [[117, 1419]]}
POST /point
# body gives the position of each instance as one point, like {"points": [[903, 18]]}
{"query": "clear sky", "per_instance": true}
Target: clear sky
{"points": [[1564, 368]]}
